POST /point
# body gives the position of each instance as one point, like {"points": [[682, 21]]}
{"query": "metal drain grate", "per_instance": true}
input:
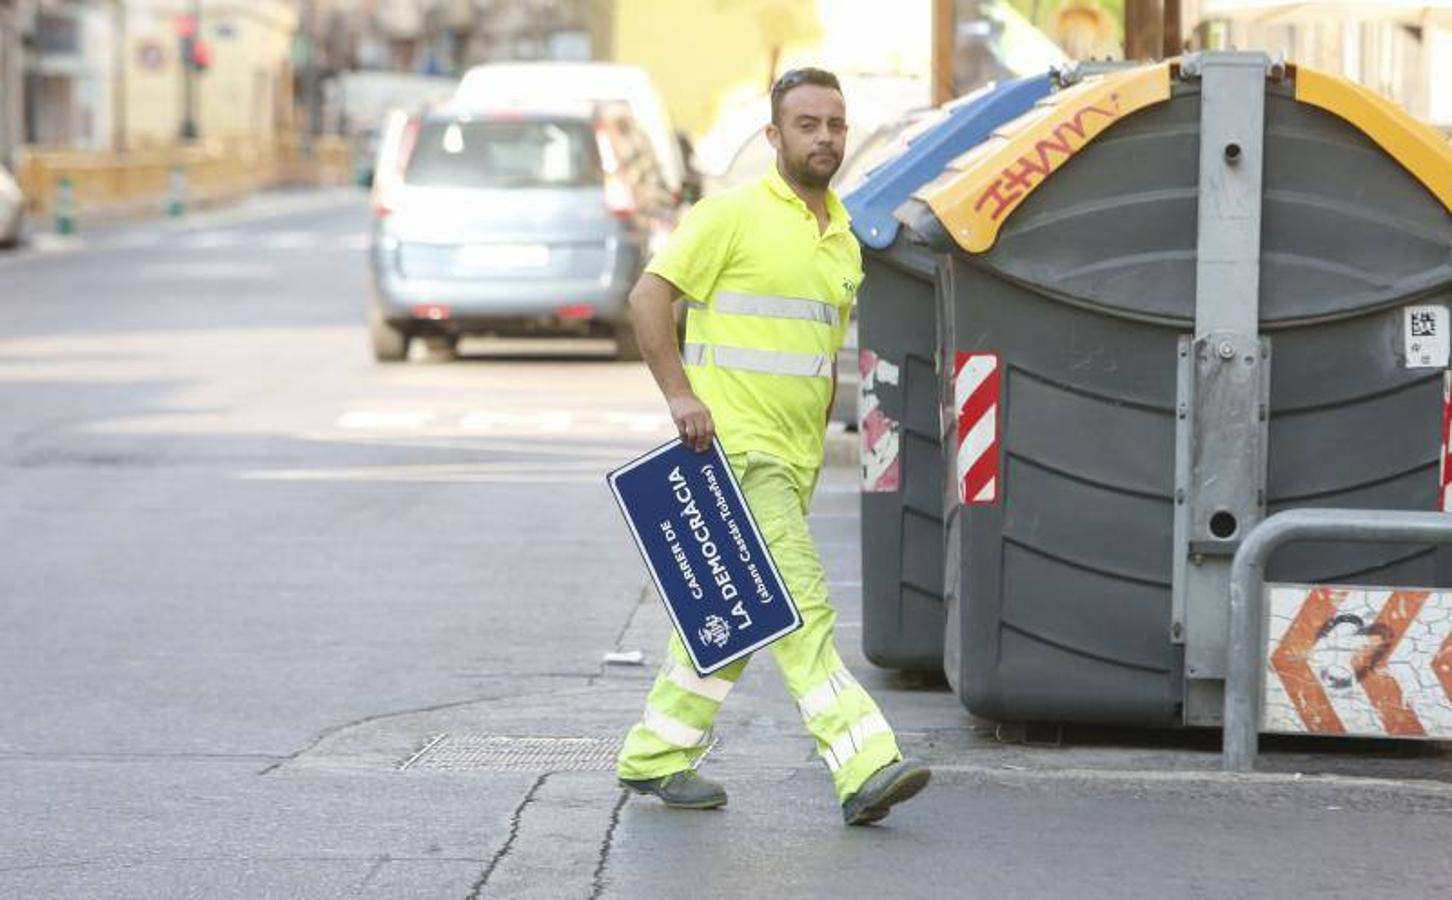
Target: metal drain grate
{"points": [[496, 753]]}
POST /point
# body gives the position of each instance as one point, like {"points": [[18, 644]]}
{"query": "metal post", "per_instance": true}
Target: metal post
{"points": [[189, 130], [119, 49], [1173, 30], [1143, 29], [12, 81], [1223, 390], [945, 26], [1244, 679], [177, 194], [65, 205], [310, 80]]}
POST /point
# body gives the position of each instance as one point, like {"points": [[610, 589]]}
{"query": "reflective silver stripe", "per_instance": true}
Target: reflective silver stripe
{"points": [[697, 304], [768, 362], [672, 731], [842, 750], [712, 688], [822, 697], [733, 304], [693, 354]]}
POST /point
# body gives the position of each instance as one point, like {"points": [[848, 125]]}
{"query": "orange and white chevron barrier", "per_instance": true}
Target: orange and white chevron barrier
{"points": [[1359, 661]]}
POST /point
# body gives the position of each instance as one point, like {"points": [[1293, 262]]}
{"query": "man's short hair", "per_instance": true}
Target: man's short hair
{"points": [[795, 78]]}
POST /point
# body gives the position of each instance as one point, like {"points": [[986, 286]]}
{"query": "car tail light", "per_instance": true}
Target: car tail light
{"points": [[576, 311], [434, 312]]}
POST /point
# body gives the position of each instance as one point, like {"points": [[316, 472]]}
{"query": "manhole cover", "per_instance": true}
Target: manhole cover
{"points": [[488, 752]]}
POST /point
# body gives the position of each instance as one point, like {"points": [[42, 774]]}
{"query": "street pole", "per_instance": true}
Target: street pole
{"points": [[310, 77], [1144, 29], [118, 77], [10, 81], [944, 33], [189, 76], [1174, 34]]}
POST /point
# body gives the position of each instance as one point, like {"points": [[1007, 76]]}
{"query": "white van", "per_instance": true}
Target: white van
{"points": [[499, 84]]}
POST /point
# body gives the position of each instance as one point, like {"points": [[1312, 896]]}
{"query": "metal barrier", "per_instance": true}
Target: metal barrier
{"points": [[1244, 688], [105, 185]]}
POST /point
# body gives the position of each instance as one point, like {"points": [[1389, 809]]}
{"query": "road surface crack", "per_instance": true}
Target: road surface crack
{"points": [[515, 821], [598, 883]]}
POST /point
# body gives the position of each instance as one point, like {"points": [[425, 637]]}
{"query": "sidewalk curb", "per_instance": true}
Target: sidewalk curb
{"points": [[45, 242], [1437, 790]]}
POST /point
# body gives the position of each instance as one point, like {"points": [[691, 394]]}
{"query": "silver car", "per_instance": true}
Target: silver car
{"points": [[511, 222]]}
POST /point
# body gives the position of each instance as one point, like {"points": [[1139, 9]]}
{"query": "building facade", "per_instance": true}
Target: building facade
{"points": [[114, 74]]}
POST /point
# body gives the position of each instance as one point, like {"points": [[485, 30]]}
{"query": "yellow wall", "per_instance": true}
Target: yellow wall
{"points": [[700, 51], [239, 96]]}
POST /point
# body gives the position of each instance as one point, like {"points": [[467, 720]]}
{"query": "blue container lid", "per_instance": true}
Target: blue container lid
{"points": [[966, 123]]}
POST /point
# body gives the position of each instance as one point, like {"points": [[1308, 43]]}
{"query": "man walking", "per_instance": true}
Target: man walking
{"points": [[769, 272]]}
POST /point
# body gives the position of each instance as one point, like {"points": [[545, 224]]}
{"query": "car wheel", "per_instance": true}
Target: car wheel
{"points": [[390, 344], [627, 348], [442, 347]]}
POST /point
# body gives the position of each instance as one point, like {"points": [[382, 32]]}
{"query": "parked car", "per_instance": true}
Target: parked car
{"points": [[498, 84], [512, 222], [12, 209]]}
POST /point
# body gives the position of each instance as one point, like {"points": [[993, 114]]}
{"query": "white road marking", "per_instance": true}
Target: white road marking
{"points": [[378, 420], [554, 421], [546, 421], [206, 271], [434, 442], [136, 240], [289, 240], [639, 421], [583, 472], [211, 240], [45, 242]]}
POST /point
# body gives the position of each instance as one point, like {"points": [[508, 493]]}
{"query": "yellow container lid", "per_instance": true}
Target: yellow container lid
{"points": [[980, 190]]}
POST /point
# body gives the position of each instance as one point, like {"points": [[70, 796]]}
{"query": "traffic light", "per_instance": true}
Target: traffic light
{"points": [[201, 56], [196, 54]]}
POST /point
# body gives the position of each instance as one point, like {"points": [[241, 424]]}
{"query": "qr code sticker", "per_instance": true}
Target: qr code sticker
{"points": [[1427, 344], [1424, 323]]}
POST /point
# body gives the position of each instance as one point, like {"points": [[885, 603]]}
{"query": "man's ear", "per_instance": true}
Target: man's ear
{"points": [[773, 136]]}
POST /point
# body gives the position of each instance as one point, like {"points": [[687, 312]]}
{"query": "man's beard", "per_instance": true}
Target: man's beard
{"points": [[800, 171]]}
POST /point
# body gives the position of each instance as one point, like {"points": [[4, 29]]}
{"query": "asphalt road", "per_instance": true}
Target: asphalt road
{"points": [[276, 621]]}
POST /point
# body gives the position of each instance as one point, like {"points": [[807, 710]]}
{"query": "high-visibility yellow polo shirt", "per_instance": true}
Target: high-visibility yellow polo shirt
{"points": [[769, 297]]}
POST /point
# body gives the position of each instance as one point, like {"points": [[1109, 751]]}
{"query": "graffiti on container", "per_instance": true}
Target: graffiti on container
{"points": [[881, 434], [1048, 154]]}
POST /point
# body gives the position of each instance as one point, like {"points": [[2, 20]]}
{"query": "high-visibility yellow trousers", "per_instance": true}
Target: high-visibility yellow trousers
{"points": [[853, 738]]}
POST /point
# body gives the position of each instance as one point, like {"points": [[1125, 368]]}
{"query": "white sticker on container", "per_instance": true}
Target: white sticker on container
{"points": [[1426, 338]]}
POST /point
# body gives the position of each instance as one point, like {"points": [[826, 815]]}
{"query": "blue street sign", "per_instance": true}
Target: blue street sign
{"points": [[704, 553]]}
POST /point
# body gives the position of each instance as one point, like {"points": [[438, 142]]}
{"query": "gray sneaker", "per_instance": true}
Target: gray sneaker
{"points": [[889, 785], [683, 790]]}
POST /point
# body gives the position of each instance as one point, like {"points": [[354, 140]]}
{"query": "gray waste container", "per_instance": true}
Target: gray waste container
{"points": [[1174, 301], [902, 447]]}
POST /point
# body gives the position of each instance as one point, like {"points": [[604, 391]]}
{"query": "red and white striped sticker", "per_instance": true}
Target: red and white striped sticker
{"points": [[881, 434], [1372, 662], [975, 395]]}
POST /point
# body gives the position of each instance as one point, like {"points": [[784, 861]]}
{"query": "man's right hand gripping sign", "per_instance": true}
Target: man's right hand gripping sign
{"points": [[769, 271]]}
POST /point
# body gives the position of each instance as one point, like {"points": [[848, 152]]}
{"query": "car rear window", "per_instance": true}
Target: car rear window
{"points": [[492, 153]]}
